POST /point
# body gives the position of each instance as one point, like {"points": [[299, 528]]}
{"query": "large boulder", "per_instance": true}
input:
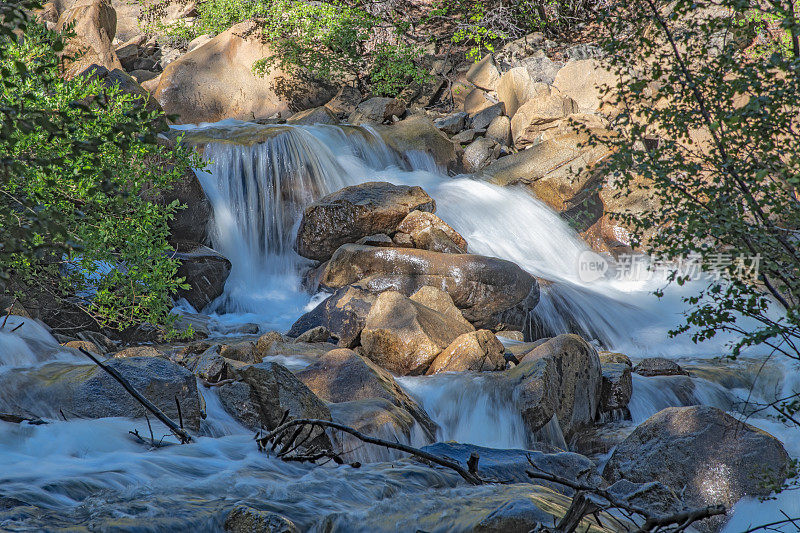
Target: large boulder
{"points": [[476, 351], [94, 23], [516, 87], [417, 133], [702, 453], [484, 73], [216, 81], [378, 109], [659, 366], [440, 301], [538, 114], [477, 155], [344, 376], [584, 81], [560, 377], [355, 212], [88, 391], [205, 272], [404, 336], [343, 314], [482, 287], [190, 222]]}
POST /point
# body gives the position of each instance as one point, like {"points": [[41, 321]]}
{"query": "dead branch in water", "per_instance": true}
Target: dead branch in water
{"points": [[590, 500], [282, 435], [176, 430], [16, 419]]}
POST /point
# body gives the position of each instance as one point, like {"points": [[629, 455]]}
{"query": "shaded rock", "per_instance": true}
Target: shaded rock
{"points": [[477, 351], [379, 239], [404, 336], [315, 115], [659, 366], [265, 392], [617, 387], [142, 76], [344, 376], [702, 453], [484, 74], [87, 391], [476, 101], [482, 119], [654, 496], [205, 271], [86, 345], [94, 23], [515, 516], [482, 287], [216, 81], [355, 212], [452, 124], [344, 102], [439, 301], [213, 367], [244, 519], [378, 109], [343, 314], [466, 136], [138, 351], [126, 84], [477, 155], [317, 334], [561, 377], [417, 133], [500, 131], [511, 335], [418, 224], [582, 81]]}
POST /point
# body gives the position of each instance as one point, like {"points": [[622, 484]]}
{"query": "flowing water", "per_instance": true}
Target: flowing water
{"points": [[91, 474]]}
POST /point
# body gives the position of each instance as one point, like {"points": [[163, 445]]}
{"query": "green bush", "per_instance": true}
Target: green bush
{"points": [[76, 157]]}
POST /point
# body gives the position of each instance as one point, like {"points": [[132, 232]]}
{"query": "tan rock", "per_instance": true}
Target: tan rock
{"points": [[582, 81], [538, 114], [440, 301], [477, 351], [95, 25], [516, 87], [484, 74], [417, 222]]}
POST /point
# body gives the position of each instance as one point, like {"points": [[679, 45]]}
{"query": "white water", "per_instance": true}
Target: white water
{"points": [[91, 472]]}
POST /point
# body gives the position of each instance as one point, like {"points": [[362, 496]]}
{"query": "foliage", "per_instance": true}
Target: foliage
{"points": [[76, 157], [394, 68]]}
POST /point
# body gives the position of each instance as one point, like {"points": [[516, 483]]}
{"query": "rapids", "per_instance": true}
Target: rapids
{"points": [[89, 474]]}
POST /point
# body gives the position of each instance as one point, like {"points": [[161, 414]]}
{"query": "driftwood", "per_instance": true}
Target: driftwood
{"points": [[590, 500], [176, 430], [16, 419]]}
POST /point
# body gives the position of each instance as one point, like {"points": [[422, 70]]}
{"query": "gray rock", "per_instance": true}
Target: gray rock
{"points": [[244, 519], [500, 131], [317, 334], [206, 272], [617, 387], [477, 155], [482, 119], [466, 136], [659, 366], [452, 124], [378, 109], [343, 314]]}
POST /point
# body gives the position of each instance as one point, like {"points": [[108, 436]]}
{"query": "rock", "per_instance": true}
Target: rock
{"points": [[582, 81], [515, 516], [477, 155], [481, 120], [654, 496], [345, 102], [482, 287], [440, 301], [343, 314], [477, 351], [511, 335], [199, 41], [128, 52], [612, 358], [617, 387], [94, 23], [265, 392], [516, 87], [500, 131], [484, 74], [317, 334], [541, 68], [560, 377], [417, 133], [466, 136], [355, 212], [244, 519], [138, 351], [315, 115], [87, 391], [142, 76], [244, 351], [216, 81], [452, 124], [213, 367], [659, 366], [539, 113], [403, 240], [404, 336], [378, 109], [344, 376], [379, 239], [206, 272], [420, 225], [476, 101], [85, 345], [702, 453]]}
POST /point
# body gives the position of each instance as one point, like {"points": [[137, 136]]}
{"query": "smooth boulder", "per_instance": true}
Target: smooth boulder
{"points": [[343, 314], [94, 23], [417, 133], [205, 271], [429, 232], [476, 351]]}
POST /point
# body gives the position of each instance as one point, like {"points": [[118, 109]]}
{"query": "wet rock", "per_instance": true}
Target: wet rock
{"points": [[205, 272], [500, 131], [87, 391], [94, 23], [216, 81], [484, 74], [482, 287], [659, 366], [404, 336], [426, 231], [343, 314], [511, 335], [213, 367], [560, 377], [344, 376], [583, 81], [417, 133], [266, 391], [440, 301], [617, 387], [355, 212], [702, 453], [244, 519], [481, 120], [378, 109], [315, 115], [477, 351], [452, 124], [516, 516], [477, 155], [317, 334]]}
